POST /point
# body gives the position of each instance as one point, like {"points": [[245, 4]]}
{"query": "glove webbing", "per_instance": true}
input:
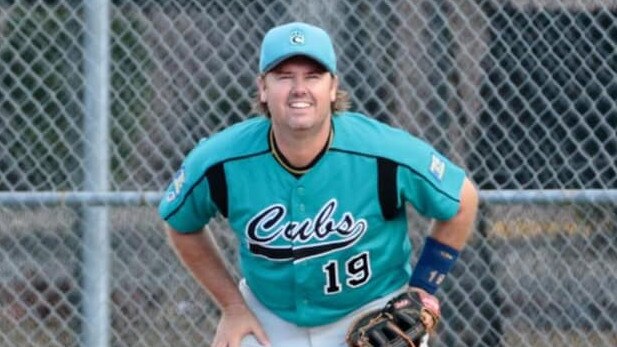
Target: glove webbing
{"points": [[389, 319]]}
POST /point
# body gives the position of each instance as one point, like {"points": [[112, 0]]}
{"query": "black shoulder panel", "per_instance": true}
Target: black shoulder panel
{"points": [[218, 187], [386, 173]]}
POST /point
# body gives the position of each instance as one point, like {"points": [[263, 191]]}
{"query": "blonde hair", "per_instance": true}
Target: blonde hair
{"points": [[341, 103]]}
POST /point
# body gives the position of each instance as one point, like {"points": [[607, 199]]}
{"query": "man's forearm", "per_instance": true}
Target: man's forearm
{"points": [[200, 256], [442, 248]]}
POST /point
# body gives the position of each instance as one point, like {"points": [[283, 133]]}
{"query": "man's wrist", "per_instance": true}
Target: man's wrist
{"points": [[436, 260]]}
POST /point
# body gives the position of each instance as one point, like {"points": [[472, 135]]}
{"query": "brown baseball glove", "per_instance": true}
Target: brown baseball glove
{"points": [[403, 322]]}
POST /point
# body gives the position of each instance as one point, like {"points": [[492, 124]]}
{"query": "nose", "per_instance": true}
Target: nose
{"points": [[299, 87]]}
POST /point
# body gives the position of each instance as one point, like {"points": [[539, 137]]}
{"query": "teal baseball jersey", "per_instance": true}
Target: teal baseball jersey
{"points": [[316, 246]]}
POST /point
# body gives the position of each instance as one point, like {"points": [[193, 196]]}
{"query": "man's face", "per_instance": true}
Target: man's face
{"points": [[299, 93]]}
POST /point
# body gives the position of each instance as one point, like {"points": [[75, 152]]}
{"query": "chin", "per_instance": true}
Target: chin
{"points": [[300, 126], [301, 121]]}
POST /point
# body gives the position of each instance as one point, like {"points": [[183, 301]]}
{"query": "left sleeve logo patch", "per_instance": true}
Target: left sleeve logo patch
{"points": [[176, 185], [438, 167]]}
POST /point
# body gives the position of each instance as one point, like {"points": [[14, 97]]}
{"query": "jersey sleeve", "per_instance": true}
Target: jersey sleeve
{"points": [[187, 205], [431, 183]]}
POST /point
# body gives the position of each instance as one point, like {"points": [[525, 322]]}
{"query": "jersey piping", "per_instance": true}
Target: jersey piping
{"points": [[400, 164], [197, 182]]}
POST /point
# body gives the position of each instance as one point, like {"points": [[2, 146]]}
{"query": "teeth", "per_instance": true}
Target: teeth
{"points": [[299, 105]]}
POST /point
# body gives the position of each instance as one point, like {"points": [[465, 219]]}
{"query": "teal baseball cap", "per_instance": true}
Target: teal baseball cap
{"points": [[297, 38]]}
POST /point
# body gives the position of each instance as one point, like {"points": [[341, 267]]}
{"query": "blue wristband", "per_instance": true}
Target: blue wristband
{"points": [[433, 265]]}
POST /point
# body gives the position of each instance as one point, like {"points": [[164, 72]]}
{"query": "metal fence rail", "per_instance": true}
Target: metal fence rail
{"points": [[101, 100], [137, 198]]}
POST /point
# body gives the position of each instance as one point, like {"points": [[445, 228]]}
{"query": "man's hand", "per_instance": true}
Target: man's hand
{"points": [[237, 321], [431, 311]]}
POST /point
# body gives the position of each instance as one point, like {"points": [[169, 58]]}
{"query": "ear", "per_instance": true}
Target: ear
{"points": [[333, 88], [261, 87]]}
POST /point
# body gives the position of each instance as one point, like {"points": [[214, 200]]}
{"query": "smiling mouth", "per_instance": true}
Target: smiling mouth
{"points": [[300, 105]]}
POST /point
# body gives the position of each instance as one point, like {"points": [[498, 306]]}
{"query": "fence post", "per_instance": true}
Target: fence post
{"points": [[95, 270]]}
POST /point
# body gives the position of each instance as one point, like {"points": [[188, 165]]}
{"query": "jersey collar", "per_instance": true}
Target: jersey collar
{"points": [[294, 170]]}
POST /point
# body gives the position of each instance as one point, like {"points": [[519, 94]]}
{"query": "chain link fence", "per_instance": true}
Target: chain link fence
{"points": [[520, 93]]}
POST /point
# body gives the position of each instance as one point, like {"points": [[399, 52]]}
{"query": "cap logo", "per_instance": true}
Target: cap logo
{"points": [[296, 38]]}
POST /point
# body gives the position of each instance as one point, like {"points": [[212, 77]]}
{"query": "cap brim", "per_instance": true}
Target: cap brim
{"points": [[277, 62]]}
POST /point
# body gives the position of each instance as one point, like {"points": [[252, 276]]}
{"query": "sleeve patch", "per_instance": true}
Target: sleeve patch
{"points": [[176, 185], [437, 167]]}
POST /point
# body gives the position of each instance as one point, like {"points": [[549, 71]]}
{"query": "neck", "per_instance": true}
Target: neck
{"points": [[300, 149]]}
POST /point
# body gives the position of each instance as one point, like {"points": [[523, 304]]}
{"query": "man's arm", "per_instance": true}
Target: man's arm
{"points": [[200, 256], [415, 313], [447, 239], [456, 231]]}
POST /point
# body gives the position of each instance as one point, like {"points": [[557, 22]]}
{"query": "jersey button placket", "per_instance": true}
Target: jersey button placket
{"points": [[300, 193], [298, 201]]}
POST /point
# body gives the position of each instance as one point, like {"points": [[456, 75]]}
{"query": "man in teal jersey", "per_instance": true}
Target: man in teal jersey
{"points": [[316, 197]]}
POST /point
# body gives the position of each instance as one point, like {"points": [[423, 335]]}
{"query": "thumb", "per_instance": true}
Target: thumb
{"points": [[261, 336]]}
